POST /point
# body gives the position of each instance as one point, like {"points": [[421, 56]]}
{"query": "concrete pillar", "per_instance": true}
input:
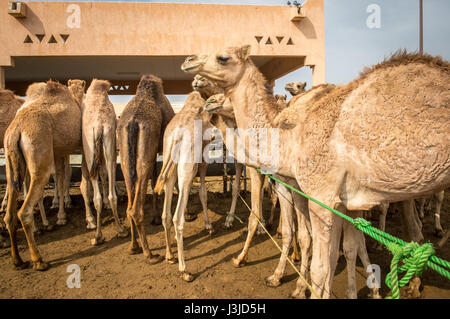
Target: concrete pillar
{"points": [[318, 74], [2, 77]]}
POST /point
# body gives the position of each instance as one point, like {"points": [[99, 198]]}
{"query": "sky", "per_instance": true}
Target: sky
{"points": [[350, 44]]}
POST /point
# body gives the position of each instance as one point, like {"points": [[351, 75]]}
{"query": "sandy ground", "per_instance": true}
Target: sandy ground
{"points": [[107, 271]]}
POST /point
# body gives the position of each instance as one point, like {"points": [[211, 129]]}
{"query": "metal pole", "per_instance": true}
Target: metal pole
{"points": [[421, 26]]}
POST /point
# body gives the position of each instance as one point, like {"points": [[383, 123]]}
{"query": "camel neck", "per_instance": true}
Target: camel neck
{"points": [[254, 105]]}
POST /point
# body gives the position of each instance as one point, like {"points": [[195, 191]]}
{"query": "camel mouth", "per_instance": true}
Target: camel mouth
{"points": [[190, 68], [210, 108]]}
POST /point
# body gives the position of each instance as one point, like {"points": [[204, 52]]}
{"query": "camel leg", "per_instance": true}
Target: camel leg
{"points": [[204, 197], [326, 232], [103, 172], [84, 189], [421, 208], [67, 177], [60, 164], [384, 206], [156, 220], [98, 204], [10, 220], [4, 202], [45, 223], [287, 214], [413, 229], [55, 201], [109, 151], [256, 192], [305, 240], [186, 174], [25, 215], [167, 215], [437, 215], [236, 189]]}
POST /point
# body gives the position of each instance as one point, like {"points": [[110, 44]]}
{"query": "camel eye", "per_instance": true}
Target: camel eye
{"points": [[223, 59]]}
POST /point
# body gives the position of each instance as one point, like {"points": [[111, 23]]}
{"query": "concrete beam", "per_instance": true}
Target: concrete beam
{"points": [[280, 66], [118, 87]]}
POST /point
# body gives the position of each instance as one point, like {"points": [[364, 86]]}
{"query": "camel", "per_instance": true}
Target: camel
{"points": [[207, 90], [55, 114], [9, 105], [381, 138], [222, 111], [98, 126], [138, 136], [179, 164], [295, 88]]}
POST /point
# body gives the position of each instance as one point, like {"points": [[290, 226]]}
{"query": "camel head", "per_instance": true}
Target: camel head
{"points": [[76, 88], [217, 105], [205, 87], [35, 90], [224, 68], [295, 88], [280, 97], [149, 84]]}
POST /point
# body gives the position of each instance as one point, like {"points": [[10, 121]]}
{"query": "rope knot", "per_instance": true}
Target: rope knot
{"points": [[359, 223], [414, 257]]}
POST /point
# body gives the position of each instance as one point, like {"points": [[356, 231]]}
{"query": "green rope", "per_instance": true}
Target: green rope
{"points": [[415, 257]]}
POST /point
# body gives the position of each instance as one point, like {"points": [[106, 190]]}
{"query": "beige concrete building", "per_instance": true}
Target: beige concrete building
{"points": [[120, 41]]}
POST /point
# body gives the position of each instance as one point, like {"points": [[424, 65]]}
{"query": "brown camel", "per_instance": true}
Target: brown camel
{"points": [[281, 100], [138, 136], [9, 105], [98, 120], [382, 137], [39, 139]]}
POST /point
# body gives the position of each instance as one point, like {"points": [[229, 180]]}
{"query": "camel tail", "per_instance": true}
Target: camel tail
{"points": [[16, 162], [98, 152], [133, 136], [167, 171]]}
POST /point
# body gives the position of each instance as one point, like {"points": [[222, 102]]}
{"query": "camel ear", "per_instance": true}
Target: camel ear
{"points": [[69, 83], [244, 52], [304, 85], [84, 83], [285, 96]]}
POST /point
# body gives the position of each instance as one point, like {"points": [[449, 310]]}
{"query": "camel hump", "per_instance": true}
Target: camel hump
{"points": [[34, 90], [54, 88], [98, 84], [149, 83]]}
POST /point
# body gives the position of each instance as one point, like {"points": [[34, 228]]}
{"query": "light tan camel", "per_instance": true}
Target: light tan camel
{"points": [[98, 126], [353, 245], [138, 136], [382, 137], [295, 88], [182, 157], [55, 114], [207, 89]]}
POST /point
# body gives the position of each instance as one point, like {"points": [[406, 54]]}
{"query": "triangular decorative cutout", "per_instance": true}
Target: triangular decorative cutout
{"points": [[40, 36], [64, 37], [28, 40], [290, 42], [127, 87], [280, 39], [258, 38], [116, 87], [121, 88], [52, 40], [269, 41], [111, 88]]}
